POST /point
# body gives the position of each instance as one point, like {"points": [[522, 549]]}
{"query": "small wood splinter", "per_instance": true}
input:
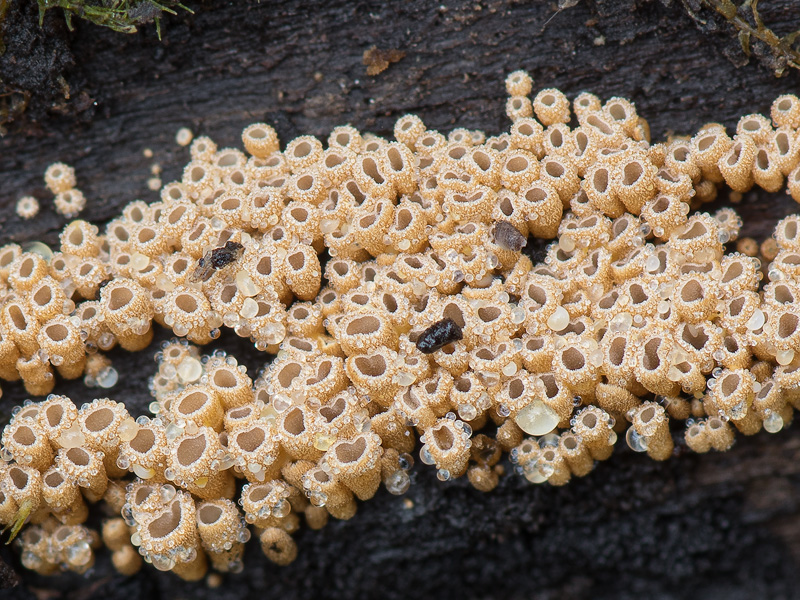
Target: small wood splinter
{"points": [[217, 258], [438, 336], [508, 237]]}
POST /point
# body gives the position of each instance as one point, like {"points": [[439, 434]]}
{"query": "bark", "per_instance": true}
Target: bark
{"points": [[710, 526]]}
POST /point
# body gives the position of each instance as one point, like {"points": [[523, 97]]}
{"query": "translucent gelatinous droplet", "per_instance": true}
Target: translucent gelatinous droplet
{"points": [[537, 418], [328, 225], [249, 309], [139, 261], [738, 411], [324, 441], [189, 370], [244, 283], [559, 320], [596, 357], [128, 429], [226, 462], [784, 357], [404, 378], [510, 369], [566, 243], [621, 322], [173, 431], [674, 374], [164, 283], [268, 413], [72, 437], [281, 402], [143, 472], [756, 321], [39, 248]]}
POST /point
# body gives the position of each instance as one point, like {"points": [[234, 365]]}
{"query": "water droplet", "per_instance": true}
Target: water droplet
{"points": [[467, 412], [425, 456], [107, 377], [398, 482], [162, 563], [533, 473], [636, 442], [281, 509], [78, 554], [773, 423]]}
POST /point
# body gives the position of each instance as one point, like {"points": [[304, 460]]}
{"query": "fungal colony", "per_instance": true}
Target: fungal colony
{"points": [[426, 330]]}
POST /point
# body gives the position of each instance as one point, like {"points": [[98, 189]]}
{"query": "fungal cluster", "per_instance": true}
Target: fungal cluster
{"points": [[391, 284]]}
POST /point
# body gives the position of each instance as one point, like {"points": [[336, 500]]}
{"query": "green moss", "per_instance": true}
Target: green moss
{"points": [[784, 52], [19, 520], [120, 15]]}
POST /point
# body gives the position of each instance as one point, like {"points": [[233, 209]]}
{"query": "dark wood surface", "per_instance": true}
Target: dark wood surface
{"points": [[714, 526]]}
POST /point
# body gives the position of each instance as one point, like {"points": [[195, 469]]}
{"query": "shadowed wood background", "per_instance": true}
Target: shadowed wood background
{"points": [[714, 526]]}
